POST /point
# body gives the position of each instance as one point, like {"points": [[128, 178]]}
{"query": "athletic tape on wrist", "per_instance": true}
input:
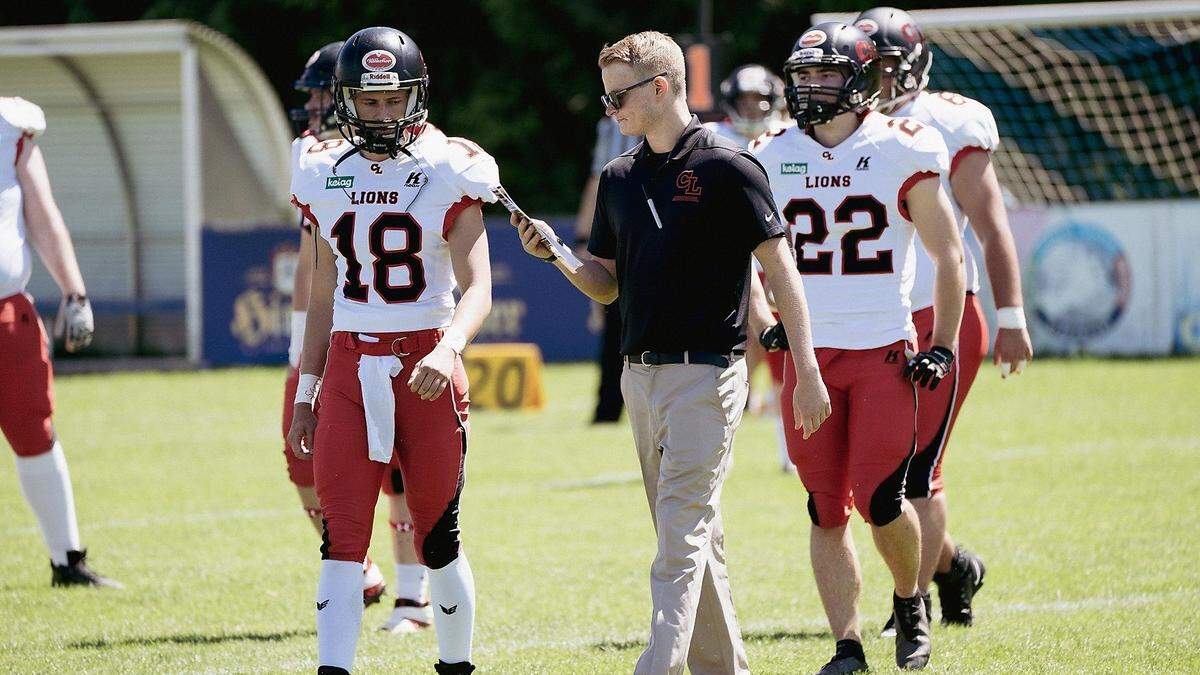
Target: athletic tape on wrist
{"points": [[306, 390], [1010, 317], [455, 340]]}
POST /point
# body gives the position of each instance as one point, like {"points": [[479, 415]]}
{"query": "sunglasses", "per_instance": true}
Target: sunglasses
{"points": [[612, 99]]}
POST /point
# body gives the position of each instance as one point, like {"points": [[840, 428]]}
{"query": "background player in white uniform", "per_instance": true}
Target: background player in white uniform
{"points": [[970, 134], [400, 225], [29, 216], [854, 186]]}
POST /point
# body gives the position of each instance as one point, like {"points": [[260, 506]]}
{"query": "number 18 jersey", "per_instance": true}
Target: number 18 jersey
{"points": [[388, 223], [846, 212]]}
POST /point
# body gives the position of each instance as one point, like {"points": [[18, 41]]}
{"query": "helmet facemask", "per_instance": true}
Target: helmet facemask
{"points": [[387, 136], [911, 75], [812, 104]]}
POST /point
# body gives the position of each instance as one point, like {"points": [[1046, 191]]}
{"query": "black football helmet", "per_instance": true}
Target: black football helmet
{"points": [[380, 59], [896, 34], [844, 47], [317, 74], [752, 79]]}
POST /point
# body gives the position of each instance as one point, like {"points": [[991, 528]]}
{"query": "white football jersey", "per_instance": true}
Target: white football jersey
{"points": [[967, 126], [20, 121], [846, 212], [388, 222]]}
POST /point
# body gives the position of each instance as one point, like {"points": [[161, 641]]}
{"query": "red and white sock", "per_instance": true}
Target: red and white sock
{"points": [[452, 594], [46, 484], [339, 612]]}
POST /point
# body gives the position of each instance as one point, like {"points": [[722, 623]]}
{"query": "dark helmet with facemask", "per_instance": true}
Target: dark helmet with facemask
{"points": [[380, 60], [896, 34], [837, 45], [317, 74]]}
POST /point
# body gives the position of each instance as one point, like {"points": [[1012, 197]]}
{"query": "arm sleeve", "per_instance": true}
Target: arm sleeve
{"points": [[603, 241], [751, 205]]}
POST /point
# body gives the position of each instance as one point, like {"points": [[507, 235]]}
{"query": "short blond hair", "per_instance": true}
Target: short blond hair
{"points": [[649, 53]]}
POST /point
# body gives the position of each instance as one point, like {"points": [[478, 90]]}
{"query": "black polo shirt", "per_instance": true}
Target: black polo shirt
{"points": [[681, 228]]}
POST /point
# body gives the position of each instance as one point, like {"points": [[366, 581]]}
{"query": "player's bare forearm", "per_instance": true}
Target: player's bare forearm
{"points": [[978, 193], [780, 268], [44, 222], [319, 321], [303, 277], [760, 309], [472, 269], [934, 220]]}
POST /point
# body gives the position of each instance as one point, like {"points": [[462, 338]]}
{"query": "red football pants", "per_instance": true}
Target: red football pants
{"points": [[26, 378], [430, 445], [937, 410], [860, 455]]}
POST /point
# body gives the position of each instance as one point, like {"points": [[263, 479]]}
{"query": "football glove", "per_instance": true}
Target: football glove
{"points": [[74, 324], [773, 338], [929, 367]]}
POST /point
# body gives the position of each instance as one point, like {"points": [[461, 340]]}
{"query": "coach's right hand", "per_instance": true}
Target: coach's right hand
{"points": [[810, 400], [531, 241], [303, 432]]}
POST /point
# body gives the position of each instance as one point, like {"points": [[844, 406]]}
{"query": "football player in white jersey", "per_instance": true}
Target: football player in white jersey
{"points": [[399, 224], [970, 134], [855, 186], [30, 217], [313, 123]]}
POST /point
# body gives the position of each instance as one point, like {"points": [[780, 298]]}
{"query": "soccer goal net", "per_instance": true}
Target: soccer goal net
{"points": [[1094, 101]]}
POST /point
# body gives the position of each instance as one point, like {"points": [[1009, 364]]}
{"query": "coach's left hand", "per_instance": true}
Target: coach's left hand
{"points": [[432, 373], [1013, 350]]}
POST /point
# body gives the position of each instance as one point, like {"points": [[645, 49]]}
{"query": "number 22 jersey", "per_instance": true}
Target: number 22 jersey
{"points": [[388, 223], [846, 212]]}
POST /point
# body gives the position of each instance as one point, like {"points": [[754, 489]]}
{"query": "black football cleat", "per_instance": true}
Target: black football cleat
{"points": [[77, 573], [889, 628], [912, 632], [460, 668], [332, 670], [957, 588], [849, 658]]}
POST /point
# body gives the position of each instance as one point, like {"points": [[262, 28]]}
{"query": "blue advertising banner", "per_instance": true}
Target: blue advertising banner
{"points": [[248, 285], [248, 294]]}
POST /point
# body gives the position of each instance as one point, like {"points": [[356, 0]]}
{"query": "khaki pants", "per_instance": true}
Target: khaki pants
{"points": [[683, 418]]}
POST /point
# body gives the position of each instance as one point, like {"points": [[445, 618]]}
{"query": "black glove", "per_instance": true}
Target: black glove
{"points": [[773, 338], [929, 367]]}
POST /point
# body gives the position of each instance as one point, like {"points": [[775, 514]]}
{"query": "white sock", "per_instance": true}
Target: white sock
{"points": [[410, 581], [452, 593], [781, 440], [339, 612], [46, 484]]}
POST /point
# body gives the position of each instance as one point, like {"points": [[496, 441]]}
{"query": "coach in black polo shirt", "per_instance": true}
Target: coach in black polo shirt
{"points": [[677, 219]]}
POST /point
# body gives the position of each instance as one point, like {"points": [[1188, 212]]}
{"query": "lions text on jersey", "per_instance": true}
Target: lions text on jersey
{"points": [[388, 222], [845, 207], [966, 126]]}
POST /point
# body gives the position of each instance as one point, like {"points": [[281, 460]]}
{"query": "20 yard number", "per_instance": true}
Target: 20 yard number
{"points": [[385, 259]]}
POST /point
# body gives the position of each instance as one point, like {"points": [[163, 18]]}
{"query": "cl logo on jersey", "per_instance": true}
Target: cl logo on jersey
{"points": [[864, 163], [376, 169], [690, 185], [336, 182], [793, 168], [827, 155]]}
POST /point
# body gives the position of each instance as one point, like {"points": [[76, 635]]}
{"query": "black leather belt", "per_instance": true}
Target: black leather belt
{"points": [[669, 358]]}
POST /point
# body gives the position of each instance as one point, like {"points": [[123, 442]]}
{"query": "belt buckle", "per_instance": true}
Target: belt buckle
{"points": [[642, 359], [398, 344]]}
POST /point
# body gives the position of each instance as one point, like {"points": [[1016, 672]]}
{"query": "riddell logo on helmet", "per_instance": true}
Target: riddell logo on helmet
{"points": [[867, 26], [812, 38], [378, 59]]}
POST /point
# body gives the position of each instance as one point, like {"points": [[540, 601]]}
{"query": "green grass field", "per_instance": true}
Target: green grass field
{"points": [[1079, 482]]}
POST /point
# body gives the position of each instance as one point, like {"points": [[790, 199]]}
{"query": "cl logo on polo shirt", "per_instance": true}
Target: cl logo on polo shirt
{"points": [[690, 185]]}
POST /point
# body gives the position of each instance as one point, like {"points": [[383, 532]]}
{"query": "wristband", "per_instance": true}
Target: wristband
{"points": [[296, 344], [455, 340], [306, 390], [1010, 317]]}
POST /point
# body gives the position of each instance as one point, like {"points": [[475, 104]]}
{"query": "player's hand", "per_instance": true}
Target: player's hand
{"points": [[303, 433], [773, 338], [1013, 351], [531, 241], [432, 374], [74, 324], [810, 400], [927, 368]]}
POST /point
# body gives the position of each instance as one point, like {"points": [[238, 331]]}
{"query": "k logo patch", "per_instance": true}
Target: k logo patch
{"points": [[864, 163]]}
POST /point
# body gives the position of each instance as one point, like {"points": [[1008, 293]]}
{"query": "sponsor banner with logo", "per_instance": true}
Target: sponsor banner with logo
{"points": [[248, 296], [1109, 279]]}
